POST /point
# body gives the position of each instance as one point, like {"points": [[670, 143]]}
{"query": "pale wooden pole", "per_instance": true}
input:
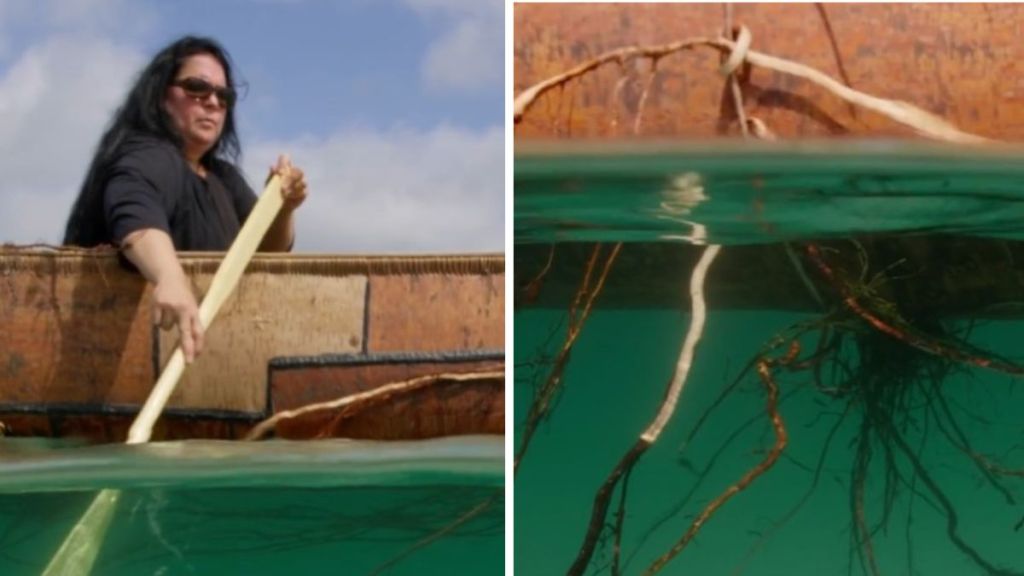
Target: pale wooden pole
{"points": [[77, 554]]}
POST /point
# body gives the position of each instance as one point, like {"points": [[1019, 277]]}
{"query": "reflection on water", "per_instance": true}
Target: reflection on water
{"points": [[752, 193]]}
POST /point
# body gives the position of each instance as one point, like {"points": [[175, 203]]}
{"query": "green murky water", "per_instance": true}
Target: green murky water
{"points": [[760, 193], [201, 507], [921, 453]]}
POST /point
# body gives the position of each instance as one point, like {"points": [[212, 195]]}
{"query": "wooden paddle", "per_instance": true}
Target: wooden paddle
{"points": [[77, 554]]}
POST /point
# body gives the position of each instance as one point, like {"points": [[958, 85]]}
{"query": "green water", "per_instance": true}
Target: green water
{"points": [[200, 507], [798, 517], [756, 193]]}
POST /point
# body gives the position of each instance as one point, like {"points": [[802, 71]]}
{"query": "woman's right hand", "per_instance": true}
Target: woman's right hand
{"points": [[175, 304], [152, 252]]}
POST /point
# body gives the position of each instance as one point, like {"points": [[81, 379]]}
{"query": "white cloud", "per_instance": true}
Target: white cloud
{"points": [[55, 99], [466, 58], [469, 53], [402, 191]]}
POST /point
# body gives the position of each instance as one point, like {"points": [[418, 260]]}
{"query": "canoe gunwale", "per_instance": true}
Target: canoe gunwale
{"points": [[70, 260]]}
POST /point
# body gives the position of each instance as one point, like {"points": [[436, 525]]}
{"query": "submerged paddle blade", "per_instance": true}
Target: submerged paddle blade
{"points": [[77, 554]]}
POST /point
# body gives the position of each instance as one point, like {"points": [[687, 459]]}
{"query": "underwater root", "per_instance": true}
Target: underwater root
{"points": [[532, 289], [884, 385], [892, 376], [952, 522], [470, 514], [903, 331], [894, 356], [600, 509], [620, 520], [764, 370], [585, 297], [653, 431]]}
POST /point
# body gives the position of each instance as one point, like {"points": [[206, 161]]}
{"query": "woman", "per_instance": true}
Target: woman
{"points": [[163, 179]]}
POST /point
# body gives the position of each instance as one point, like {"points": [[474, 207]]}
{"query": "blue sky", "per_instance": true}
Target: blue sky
{"points": [[393, 107]]}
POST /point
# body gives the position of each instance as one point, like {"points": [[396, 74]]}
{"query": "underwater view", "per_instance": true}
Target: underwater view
{"points": [[762, 359], [278, 507]]}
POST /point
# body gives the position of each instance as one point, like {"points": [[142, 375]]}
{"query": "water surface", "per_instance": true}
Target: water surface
{"points": [[205, 507]]}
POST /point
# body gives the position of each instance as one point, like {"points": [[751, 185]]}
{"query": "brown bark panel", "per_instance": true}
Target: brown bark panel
{"points": [[431, 312], [963, 62], [268, 315], [73, 338]]}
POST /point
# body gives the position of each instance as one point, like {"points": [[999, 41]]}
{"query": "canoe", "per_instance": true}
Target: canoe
{"points": [[416, 344]]}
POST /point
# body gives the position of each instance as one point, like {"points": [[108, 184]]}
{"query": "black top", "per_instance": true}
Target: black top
{"points": [[149, 185]]}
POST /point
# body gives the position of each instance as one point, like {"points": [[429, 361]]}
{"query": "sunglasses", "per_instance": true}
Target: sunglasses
{"points": [[200, 90]]}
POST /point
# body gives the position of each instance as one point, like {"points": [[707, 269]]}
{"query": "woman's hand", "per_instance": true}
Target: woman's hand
{"points": [[281, 235], [175, 304], [152, 252], [293, 182]]}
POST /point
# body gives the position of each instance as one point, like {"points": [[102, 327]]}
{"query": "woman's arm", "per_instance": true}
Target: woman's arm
{"points": [[152, 252], [281, 234]]}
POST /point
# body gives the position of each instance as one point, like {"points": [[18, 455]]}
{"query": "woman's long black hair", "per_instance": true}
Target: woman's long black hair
{"points": [[143, 112]]}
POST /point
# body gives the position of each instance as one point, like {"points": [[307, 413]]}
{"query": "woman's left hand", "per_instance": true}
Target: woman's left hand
{"points": [[293, 182]]}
